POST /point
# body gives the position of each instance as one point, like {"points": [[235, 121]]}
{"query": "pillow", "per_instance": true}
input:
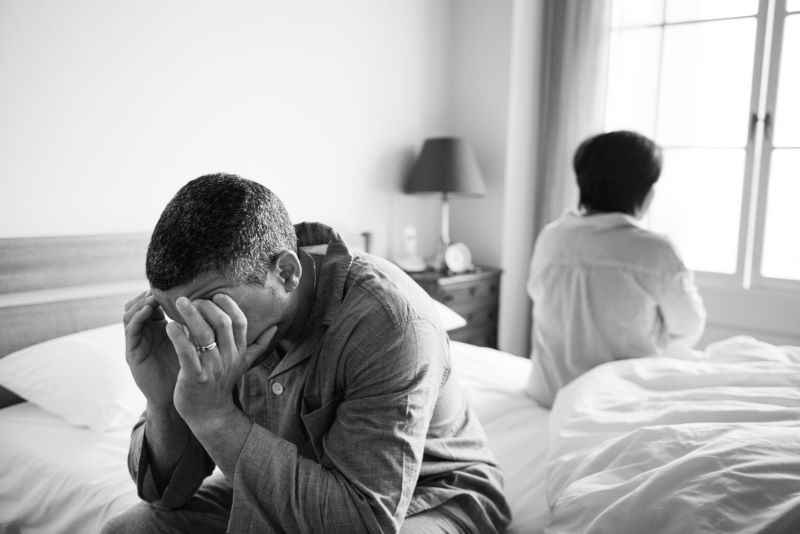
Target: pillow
{"points": [[82, 378], [450, 319]]}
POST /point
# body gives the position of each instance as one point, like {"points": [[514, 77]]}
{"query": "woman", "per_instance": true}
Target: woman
{"points": [[603, 287]]}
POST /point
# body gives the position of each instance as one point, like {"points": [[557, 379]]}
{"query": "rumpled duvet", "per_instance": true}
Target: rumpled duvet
{"points": [[666, 445]]}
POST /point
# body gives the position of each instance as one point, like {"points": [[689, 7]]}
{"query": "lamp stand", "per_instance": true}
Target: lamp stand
{"points": [[444, 239]]}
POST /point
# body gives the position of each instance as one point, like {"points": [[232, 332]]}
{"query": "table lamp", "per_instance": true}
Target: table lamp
{"points": [[447, 165]]}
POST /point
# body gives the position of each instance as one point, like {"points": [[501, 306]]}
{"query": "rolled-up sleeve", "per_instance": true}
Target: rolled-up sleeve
{"points": [[371, 452], [192, 468], [682, 310]]}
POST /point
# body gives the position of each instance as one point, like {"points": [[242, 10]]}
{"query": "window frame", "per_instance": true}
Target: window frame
{"points": [[770, 18]]}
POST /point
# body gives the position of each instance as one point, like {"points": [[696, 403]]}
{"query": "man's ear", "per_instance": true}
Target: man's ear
{"points": [[288, 269]]}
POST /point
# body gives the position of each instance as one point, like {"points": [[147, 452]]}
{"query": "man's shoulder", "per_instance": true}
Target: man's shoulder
{"points": [[379, 287]]}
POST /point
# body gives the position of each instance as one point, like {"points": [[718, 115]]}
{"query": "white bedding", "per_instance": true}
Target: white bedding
{"points": [[56, 477], [668, 445], [59, 478], [516, 427]]}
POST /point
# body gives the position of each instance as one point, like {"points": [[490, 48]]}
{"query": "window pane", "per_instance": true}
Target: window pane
{"points": [[682, 10], [697, 203], [781, 258], [792, 5], [633, 80], [636, 12], [787, 112], [705, 85]]}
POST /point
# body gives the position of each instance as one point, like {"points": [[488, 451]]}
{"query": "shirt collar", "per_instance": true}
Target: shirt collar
{"points": [[599, 221], [316, 238]]}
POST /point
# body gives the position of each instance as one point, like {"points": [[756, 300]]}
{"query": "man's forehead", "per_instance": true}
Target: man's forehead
{"points": [[202, 286]]}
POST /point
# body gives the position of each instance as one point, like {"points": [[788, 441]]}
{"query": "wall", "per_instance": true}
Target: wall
{"points": [[481, 73], [497, 72], [106, 108]]}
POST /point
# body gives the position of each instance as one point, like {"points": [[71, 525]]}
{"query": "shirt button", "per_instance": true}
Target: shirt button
{"points": [[277, 388]]}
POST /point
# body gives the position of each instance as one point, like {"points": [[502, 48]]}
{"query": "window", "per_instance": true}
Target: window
{"points": [[716, 84]]}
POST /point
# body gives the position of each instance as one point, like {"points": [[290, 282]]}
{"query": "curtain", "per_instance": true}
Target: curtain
{"points": [[557, 98], [573, 96]]}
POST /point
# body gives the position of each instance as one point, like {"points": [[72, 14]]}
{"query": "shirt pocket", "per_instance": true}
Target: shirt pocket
{"points": [[317, 421]]}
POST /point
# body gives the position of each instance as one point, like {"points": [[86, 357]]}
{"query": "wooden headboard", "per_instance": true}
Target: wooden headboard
{"points": [[53, 286]]}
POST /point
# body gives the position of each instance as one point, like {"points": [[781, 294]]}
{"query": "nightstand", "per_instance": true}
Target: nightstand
{"points": [[473, 295]]}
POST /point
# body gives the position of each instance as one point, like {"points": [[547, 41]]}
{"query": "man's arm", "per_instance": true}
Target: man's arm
{"points": [[166, 460]]}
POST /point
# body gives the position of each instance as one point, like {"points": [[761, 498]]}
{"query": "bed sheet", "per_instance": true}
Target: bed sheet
{"points": [[56, 477], [515, 425], [669, 445]]}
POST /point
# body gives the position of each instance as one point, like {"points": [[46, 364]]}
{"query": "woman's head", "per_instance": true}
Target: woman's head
{"points": [[616, 171]]}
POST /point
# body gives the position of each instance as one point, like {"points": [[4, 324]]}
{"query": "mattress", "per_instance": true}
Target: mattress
{"points": [[57, 477]]}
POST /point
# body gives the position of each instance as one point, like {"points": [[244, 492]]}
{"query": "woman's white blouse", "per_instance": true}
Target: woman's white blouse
{"points": [[604, 288]]}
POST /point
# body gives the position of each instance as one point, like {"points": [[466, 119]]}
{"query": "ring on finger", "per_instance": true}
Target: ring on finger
{"points": [[206, 348]]}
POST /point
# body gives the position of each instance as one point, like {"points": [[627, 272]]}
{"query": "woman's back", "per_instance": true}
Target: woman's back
{"points": [[603, 289]]}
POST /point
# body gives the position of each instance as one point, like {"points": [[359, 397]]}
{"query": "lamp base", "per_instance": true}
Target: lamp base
{"points": [[437, 262]]}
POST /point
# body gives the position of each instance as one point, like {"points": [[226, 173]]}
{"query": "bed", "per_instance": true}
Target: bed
{"points": [[705, 443], [63, 450], [68, 473]]}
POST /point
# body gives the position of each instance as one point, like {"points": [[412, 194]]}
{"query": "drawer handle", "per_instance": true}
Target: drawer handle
{"points": [[448, 298], [472, 291]]}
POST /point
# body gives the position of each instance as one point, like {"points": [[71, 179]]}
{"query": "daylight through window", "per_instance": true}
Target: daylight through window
{"points": [[715, 83]]}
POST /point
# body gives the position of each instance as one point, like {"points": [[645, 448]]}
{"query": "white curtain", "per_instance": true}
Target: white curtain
{"points": [[557, 97], [573, 96]]}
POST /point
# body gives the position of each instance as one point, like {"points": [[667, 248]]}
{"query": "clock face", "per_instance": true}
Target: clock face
{"points": [[457, 258]]}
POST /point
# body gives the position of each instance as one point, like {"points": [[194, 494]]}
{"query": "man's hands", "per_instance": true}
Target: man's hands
{"points": [[148, 351], [168, 368], [204, 387]]}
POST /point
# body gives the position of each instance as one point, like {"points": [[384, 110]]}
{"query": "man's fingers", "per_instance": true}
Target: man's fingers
{"points": [[133, 307], [133, 327], [187, 354], [222, 325], [237, 317], [136, 299], [199, 330], [260, 345]]}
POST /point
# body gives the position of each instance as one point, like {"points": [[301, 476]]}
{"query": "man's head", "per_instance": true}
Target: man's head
{"points": [[616, 171], [218, 223]]}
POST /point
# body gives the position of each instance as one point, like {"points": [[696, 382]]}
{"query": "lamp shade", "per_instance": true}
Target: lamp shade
{"points": [[446, 165]]}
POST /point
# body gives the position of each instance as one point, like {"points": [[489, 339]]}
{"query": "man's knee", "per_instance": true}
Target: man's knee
{"points": [[138, 519]]}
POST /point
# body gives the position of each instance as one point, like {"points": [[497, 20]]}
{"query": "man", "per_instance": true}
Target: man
{"points": [[316, 379]]}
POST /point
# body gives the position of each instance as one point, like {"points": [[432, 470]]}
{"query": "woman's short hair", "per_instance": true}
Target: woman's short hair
{"points": [[218, 223], [616, 170]]}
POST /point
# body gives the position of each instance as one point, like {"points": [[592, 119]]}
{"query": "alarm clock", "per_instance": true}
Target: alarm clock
{"points": [[457, 258]]}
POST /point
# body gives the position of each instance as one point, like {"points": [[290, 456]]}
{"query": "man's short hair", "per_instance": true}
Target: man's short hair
{"points": [[616, 171], [218, 223]]}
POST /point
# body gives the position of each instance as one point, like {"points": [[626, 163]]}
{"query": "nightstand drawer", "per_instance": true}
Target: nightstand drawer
{"points": [[473, 295], [478, 313], [455, 294]]}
